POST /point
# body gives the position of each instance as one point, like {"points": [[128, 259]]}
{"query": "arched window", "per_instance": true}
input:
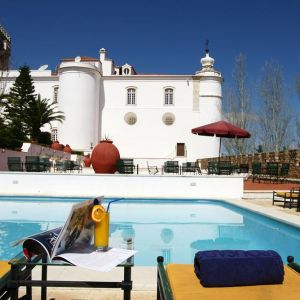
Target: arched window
{"points": [[169, 93], [131, 96]]}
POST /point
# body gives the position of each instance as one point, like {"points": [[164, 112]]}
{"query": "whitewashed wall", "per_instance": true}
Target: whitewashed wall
{"points": [[197, 187], [150, 138]]}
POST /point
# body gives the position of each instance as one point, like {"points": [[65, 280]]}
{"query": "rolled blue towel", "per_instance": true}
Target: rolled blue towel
{"points": [[220, 268]]}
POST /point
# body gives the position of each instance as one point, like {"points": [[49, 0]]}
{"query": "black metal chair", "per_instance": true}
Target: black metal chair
{"points": [[272, 171], [125, 166], [45, 164], [14, 164], [284, 172], [224, 168], [212, 167], [190, 167], [256, 171], [33, 164], [60, 166], [171, 166], [243, 168]]}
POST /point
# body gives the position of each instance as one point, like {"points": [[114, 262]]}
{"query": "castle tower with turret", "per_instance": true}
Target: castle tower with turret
{"points": [[5, 44]]}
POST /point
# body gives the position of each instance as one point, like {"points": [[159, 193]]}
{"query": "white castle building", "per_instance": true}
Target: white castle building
{"points": [[149, 117]]}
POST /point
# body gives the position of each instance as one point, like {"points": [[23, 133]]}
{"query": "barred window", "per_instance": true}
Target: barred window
{"points": [[55, 94], [54, 134], [131, 96], [168, 96]]}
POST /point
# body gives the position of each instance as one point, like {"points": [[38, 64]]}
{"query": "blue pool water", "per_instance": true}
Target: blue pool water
{"points": [[175, 229]]}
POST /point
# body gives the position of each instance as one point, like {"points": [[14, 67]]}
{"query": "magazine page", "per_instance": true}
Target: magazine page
{"points": [[39, 243], [78, 230], [98, 260]]}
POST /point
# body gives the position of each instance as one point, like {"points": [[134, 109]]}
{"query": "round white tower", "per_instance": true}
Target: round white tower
{"points": [[210, 102], [210, 91], [79, 84]]}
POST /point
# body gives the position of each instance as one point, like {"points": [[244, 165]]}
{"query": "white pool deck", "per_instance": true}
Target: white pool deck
{"points": [[227, 188]]}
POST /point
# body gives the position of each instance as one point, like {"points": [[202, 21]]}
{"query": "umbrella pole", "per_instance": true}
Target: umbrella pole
{"points": [[220, 149]]}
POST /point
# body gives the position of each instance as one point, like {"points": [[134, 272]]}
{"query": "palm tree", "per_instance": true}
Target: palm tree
{"points": [[41, 112]]}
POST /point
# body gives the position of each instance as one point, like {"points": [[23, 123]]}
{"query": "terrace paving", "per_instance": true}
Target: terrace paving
{"points": [[256, 195]]}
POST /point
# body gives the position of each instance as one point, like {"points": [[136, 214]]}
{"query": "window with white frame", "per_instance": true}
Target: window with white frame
{"points": [[131, 96], [53, 134], [55, 94], [169, 96]]}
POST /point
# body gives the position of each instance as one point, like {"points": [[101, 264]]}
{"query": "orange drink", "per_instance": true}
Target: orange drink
{"points": [[101, 232]]}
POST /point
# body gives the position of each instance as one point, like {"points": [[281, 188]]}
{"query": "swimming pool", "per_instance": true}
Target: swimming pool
{"points": [[172, 228]]}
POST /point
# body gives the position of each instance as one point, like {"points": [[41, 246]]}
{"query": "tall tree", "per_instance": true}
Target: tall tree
{"points": [[297, 118], [238, 106], [24, 112], [21, 95], [40, 113], [274, 116]]}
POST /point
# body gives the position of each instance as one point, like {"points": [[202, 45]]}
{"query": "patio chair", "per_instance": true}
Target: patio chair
{"points": [[152, 169], [125, 166], [256, 171], [33, 164], [272, 171], [212, 167], [76, 166], [243, 168], [190, 167], [178, 281], [171, 166], [45, 164], [289, 199], [224, 168], [284, 172], [60, 166], [14, 164]]}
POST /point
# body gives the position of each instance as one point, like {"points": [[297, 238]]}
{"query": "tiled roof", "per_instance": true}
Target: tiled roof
{"points": [[82, 58]]}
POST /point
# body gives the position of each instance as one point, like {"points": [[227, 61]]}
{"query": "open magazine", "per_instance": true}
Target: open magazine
{"points": [[73, 242]]}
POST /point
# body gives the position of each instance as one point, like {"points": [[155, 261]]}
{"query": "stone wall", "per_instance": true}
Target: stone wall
{"points": [[286, 156]]}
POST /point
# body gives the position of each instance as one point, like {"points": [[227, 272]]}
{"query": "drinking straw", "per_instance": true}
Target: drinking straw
{"points": [[112, 202]]}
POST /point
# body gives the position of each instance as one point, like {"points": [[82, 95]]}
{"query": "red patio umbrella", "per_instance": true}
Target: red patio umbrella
{"points": [[221, 129]]}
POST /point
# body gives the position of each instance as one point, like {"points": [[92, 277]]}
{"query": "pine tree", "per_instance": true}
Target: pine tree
{"points": [[21, 96]]}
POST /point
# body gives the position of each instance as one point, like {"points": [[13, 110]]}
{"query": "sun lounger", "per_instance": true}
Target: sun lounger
{"points": [[9, 272], [287, 198], [4, 275], [179, 282]]}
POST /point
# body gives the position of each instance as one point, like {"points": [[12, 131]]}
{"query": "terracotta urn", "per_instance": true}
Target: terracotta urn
{"points": [[67, 149], [105, 157], [56, 145], [87, 161]]}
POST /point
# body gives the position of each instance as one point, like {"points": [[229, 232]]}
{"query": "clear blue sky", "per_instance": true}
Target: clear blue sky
{"points": [[165, 36]]}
